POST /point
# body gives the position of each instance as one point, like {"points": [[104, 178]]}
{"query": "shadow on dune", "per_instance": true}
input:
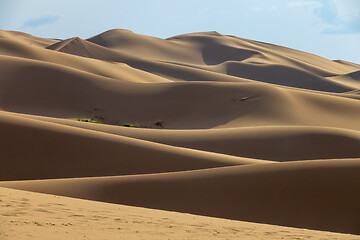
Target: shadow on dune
{"points": [[283, 75], [318, 195], [214, 53]]}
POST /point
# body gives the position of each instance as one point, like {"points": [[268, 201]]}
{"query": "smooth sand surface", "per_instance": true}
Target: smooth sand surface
{"points": [[318, 194], [221, 127], [28, 215]]}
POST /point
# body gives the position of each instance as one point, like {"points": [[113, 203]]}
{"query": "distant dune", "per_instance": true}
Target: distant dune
{"points": [[200, 123]]}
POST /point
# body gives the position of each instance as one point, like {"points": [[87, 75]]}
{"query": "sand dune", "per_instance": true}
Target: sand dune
{"points": [[25, 38], [62, 151], [77, 93], [277, 143], [347, 63], [221, 126], [309, 194]]}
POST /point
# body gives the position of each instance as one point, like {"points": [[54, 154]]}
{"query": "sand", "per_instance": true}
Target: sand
{"points": [[227, 128], [29, 215]]}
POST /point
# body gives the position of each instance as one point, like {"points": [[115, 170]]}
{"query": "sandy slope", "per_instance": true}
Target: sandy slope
{"points": [[71, 93], [62, 151], [249, 130], [277, 143], [26, 215], [312, 194]]}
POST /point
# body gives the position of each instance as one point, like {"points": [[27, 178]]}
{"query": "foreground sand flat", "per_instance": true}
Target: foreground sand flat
{"points": [[27, 215]]}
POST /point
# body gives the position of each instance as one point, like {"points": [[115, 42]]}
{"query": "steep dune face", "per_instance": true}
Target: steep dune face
{"points": [[75, 45], [261, 53], [224, 126]]}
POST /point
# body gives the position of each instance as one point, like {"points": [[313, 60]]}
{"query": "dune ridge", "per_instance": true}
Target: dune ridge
{"points": [[220, 126], [100, 154], [276, 143], [313, 191]]}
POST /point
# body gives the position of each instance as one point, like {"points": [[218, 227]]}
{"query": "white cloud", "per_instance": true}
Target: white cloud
{"points": [[341, 16], [348, 10], [307, 4]]}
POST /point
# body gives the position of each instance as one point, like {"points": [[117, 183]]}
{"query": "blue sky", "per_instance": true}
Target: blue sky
{"points": [[329, 28]]}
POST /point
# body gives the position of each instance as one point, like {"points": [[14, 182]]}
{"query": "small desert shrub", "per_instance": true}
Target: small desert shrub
{"points": [[135, 125], [92, 120], [159, 123]]}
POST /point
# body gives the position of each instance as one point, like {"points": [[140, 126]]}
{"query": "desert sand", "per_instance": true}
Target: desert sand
{"points": [[29, 215], [198, 136]]}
